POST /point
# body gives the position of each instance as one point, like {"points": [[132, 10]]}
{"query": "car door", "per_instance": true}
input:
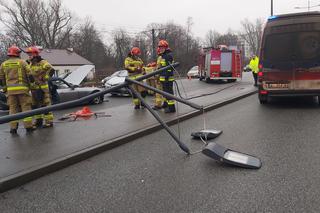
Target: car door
{"points": [[67, 92]]}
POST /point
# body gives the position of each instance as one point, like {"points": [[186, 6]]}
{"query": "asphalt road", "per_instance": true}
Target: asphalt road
{"points": [[152, 174]]}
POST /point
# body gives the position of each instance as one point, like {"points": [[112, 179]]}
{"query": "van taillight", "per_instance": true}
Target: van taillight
{"points": [[263, 92], [260, 66], [260, 76]]}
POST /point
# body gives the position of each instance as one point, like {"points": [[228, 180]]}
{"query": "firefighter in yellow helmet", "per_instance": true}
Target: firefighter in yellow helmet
{"points": [[166, 78], [134, 65], [41, 71], [254, 66], [14, 74]]}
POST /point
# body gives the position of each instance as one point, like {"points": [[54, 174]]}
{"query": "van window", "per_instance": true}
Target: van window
{"points": [[296, 48]]}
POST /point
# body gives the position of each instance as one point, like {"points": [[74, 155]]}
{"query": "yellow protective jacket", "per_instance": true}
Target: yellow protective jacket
{"points": [[14, 73], [134, 66], [254, 64], [40, 71], [164, 60]]}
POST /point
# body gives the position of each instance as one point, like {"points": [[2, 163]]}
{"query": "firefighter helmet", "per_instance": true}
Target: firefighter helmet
{"points": [[34, 51], [14, 51], [163, 43], [135, 51]]}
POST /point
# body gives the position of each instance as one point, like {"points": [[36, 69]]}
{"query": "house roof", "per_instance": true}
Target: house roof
{"points": [[61, 57]]}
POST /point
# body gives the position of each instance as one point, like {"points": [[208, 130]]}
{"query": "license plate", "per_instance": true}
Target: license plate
{"points": [[277, 86]]}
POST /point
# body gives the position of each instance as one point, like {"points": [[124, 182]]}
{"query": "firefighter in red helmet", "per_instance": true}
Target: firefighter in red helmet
{"points": [[134, 65], [166, 78], [14, 77], [41, 71]]}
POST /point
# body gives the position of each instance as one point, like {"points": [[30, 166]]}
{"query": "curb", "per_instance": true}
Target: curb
{"points": [[35, 172]]}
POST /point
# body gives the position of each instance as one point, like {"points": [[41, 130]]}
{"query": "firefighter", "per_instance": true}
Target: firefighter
{"points": [[134, 65], [41, 71], [14, 77], [254, 66], [150, 81], [166, 78], [159, 98]]}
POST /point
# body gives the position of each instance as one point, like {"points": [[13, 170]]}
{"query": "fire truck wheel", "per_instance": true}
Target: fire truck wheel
{"points": [[208, 80], [231, 80]]}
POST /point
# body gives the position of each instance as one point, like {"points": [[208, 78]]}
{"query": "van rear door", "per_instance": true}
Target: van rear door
{"points": [[307, 63], [278, 67]]}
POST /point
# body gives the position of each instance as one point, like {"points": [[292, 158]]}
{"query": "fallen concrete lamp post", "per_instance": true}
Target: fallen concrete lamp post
{"points": [[212, 150], [65, 105], [216, 151]]}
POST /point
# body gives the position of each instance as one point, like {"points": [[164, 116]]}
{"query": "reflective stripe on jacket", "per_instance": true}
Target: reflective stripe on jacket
{"points": [[164, 60], [254, 64], [134, 66], [41, 73], [14, 72]]}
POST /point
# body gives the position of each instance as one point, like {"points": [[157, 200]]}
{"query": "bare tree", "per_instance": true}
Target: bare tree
{"points": [[214, 38], [228, 39], [37, 22], [122, 45], [87, 42], [211, 38], [251, 33]]}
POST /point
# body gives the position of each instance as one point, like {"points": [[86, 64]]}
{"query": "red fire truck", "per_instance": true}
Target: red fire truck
{"points": [[221, 63]]}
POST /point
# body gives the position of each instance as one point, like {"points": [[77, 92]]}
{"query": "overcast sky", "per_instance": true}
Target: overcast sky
{"points": [[219, 15]]}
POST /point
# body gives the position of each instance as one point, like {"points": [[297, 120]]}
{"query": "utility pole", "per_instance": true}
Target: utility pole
{"points": [[271, 7], [154, 57]]}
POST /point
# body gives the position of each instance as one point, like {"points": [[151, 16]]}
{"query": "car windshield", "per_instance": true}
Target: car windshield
{"points": [[194, 68], [292, 49]]}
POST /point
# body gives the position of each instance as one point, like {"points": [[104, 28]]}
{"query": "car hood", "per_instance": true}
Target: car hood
{"points": [[116, 80], [77, 76]]}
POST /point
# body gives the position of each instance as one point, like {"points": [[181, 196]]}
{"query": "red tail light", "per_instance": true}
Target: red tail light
{"points": [[260, 76], [260, 66], [263, 92]]}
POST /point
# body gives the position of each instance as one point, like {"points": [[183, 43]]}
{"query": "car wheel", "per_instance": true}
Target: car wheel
{"points": [[97, 100]]}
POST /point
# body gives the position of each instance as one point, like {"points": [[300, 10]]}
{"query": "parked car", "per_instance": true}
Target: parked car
{"points": [[68, 92], [116, 79], [193, 72], [63, 91]]}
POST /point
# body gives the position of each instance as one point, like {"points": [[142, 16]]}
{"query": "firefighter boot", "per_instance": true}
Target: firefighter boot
{"points": [[156, 107], [30, 129], [38, 123], [170, 109], [13, 131], [137, 106]]}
